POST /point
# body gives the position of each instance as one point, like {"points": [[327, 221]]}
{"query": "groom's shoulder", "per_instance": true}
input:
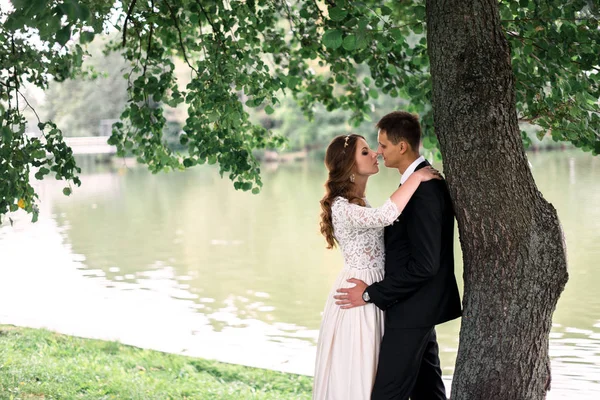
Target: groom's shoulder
{"points": [[434, 187], [430, 194]]}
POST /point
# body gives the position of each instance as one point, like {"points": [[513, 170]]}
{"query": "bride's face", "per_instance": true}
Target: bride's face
{"points": [[366, 159]]}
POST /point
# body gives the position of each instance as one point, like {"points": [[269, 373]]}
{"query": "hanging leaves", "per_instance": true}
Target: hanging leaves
{"points": [[245, 55]]}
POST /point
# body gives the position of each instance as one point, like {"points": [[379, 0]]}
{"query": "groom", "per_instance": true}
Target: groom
{"points": [[419, 289]]}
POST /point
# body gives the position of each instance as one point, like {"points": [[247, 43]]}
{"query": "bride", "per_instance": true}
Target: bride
{"points": [[349, 339]]}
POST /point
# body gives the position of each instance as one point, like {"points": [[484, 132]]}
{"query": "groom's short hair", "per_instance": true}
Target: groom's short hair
{"points": [[402, 125]]}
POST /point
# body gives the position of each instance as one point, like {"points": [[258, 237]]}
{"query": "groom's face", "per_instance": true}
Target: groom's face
{"points": [[392, 153]]}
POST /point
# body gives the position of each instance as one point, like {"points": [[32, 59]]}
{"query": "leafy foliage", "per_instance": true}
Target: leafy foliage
{"points": [[248, 54], [24, 59], [555, 60]]}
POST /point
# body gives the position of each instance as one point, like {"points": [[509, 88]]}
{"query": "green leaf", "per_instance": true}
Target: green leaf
{"points": [[20, 4], [269, 110], [540, 134], [420, 13], [67, 191], [374, 93], [86, 37], [525, 139], [293, 81], [333, 39], [7, 134], [386, 10], [349, 42], [69, 10], [63, 35], [417, 29], [39, 154], [83, 12], [362, 40], [337, 13], [363, 23], [251, 103], [304, 13], [397, 35]]}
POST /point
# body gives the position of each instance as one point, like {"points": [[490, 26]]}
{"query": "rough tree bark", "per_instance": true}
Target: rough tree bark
{"points": [[513, 249]]}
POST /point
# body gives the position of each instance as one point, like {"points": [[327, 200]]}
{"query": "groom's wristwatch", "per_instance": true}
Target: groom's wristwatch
{"points": [[366, 297]]}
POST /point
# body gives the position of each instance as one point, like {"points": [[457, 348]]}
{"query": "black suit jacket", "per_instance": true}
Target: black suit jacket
{"points": [[419, 288]]}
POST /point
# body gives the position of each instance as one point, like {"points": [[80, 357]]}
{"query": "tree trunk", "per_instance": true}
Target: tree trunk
{"points": [[513, 249]]}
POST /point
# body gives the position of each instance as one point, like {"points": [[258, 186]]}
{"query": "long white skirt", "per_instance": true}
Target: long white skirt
{"points": [[348, 347]]}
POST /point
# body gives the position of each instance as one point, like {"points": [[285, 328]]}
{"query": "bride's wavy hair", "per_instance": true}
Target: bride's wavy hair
{"points": [[340, 160]]}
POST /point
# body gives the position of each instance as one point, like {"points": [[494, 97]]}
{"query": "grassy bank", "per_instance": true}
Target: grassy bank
{"points": [[38, 364]]}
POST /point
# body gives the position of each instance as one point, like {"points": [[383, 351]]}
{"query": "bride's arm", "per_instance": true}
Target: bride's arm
{"points": [[403, 194], [364, 217]]}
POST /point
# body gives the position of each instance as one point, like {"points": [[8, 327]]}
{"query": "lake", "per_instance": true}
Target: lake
{"points": [[181, 262]]}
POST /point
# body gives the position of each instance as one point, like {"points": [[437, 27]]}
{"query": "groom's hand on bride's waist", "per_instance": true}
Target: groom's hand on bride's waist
{"points": [[351, 297]]}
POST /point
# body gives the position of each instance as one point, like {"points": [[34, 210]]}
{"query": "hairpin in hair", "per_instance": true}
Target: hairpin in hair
{"points": [[346, 141]]}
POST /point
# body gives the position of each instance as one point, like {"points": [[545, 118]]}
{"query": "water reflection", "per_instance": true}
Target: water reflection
{"points": [[180, 262]]}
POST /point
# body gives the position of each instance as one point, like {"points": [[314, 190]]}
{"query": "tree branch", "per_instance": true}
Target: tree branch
{"points": [[522, 39], [26, 102], [530, 120], [319, 10], [15, 75], [210, 21], [149, 47], [591, 66], [385, 23], [29, 105], [129, 11], [203, 47], [176, 21]]}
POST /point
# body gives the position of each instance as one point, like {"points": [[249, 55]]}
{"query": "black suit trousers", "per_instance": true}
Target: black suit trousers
{"points": [[409, 366]]}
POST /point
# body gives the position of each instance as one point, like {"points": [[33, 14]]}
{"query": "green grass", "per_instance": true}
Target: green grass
{"points": [[39, 364]]}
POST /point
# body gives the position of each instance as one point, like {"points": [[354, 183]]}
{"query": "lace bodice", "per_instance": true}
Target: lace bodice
{"points": [[359, 232]]}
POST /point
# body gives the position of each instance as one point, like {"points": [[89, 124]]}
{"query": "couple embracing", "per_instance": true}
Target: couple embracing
{"points": [[377, 338]]}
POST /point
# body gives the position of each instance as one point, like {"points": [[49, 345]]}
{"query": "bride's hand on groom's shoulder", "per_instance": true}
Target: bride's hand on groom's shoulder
{"points": [[351, 297], [428, 173]]}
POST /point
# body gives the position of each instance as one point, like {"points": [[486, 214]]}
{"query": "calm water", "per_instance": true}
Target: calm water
{"points": [[181, 262]]}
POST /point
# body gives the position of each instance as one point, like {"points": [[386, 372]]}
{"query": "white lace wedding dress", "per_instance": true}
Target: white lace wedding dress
{"points": [[349, 339]]}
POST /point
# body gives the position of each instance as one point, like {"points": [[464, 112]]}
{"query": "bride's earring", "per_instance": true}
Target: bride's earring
{"points": [[352, 178]]}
